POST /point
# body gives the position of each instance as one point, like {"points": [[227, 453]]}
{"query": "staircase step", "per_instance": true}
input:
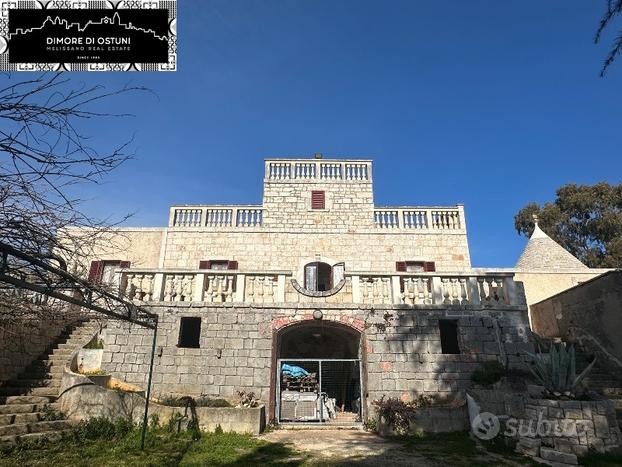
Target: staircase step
{"points": [[11, 430], [36, 383], [20, 400], [54, 425], [20, 418], [17, 408], [36, 427], [26, 391], [48, 435]]}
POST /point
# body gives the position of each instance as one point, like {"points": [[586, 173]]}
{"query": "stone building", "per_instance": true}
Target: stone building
{"points": [[317, 300]]}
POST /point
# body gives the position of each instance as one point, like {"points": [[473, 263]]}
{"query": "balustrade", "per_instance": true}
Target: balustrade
{"points": [[218, 216], [187, 218], [486, 290], [419, 218], [318, 169], [384, 219]]}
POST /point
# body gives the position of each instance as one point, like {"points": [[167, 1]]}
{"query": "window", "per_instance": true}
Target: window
{"points": [[318, 200], [415, 266], [104, 271], [321, 277], [449, 336], [189, 333], [219, 264]]}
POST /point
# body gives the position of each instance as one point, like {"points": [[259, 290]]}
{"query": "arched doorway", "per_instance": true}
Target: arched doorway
{"points": [[319, 374]]}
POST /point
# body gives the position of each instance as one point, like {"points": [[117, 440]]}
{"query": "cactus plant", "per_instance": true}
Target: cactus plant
{"points": [[556, 371]]}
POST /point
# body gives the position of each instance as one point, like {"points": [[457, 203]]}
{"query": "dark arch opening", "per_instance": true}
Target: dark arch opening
{"points": [[319, 340]]}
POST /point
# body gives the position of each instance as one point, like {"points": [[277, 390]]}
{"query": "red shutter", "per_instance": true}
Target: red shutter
{"points": [[96, 270], [318, 199], [429, 266], [232, 265], [124, 264], [400, 266], [205, 264]]}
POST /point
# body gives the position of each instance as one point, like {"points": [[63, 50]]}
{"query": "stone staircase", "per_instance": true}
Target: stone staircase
{"points": [[27, 401], [604, 378]]}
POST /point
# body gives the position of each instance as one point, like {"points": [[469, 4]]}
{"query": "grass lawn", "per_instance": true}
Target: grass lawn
{"points": [[103, 443]]}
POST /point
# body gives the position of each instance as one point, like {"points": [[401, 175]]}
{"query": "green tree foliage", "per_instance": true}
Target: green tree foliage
{"points": [[584, 219]]}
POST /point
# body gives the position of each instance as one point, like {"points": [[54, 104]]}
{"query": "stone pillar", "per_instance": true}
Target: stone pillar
{"points": [[473, 288], [199, 287], [395, 288], [356, 289], [280, 289], [240, 285], [510, 290], [158, 286], [437, 290]]}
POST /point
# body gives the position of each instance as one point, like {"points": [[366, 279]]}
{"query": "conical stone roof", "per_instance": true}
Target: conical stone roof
{"points": [[542, 252]]}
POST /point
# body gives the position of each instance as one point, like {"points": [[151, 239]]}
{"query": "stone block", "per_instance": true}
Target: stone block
{"points": [[601, 426], [557, 456]]}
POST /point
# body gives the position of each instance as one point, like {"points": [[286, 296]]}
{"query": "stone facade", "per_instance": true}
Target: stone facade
{"points": [[400, 348], [397, 273]]}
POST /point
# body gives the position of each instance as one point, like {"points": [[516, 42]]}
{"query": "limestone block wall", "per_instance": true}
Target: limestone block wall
{"points": [[348, 205], [561, 431], [540, 285], [140, 245], [401, 349], [260, 250]]}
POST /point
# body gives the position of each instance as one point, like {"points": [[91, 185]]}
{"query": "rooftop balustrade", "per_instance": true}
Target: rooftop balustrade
{"points": [[408, 218], [324, 170]]}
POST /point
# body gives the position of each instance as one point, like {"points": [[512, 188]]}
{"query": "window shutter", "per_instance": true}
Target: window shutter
{"points": [[124, 264], [205, 264], [429, 266], [400, 266], [318, 200], [96, 270], [232, 265]]}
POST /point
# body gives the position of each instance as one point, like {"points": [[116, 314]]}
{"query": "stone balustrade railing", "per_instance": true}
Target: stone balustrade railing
{"points": [[321, 169], [481, 289], [486, 289], [420, 218], [205, 285], [216, 216]]}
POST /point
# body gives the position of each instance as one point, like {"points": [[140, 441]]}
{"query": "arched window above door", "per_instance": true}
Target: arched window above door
{"points": [[321, 277]]}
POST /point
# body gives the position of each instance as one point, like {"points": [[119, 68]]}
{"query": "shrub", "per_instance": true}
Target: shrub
{"points": [[202, 401], [50, 414], [396, 413], [247, 399], [95, 343], [556, 371], [488, 373]]}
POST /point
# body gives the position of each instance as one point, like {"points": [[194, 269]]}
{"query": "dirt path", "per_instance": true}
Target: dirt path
{"points": [[347, 447]]}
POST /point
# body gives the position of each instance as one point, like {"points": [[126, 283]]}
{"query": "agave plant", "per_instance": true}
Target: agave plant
{"points": [[556, 371]]}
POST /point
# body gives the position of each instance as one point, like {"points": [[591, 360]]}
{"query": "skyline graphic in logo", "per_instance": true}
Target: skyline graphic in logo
{"points": [[89, 39]]}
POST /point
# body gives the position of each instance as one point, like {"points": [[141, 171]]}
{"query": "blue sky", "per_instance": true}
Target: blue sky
{"points": [[489, 103]]}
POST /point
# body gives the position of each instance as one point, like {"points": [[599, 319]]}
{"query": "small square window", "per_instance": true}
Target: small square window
{"points": [[318, 200], [189, 333], [449, 336]]}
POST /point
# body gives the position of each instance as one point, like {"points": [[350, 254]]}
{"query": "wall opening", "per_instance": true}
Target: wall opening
{"points": [[319, 374], [449, 336], [189, 332]]}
